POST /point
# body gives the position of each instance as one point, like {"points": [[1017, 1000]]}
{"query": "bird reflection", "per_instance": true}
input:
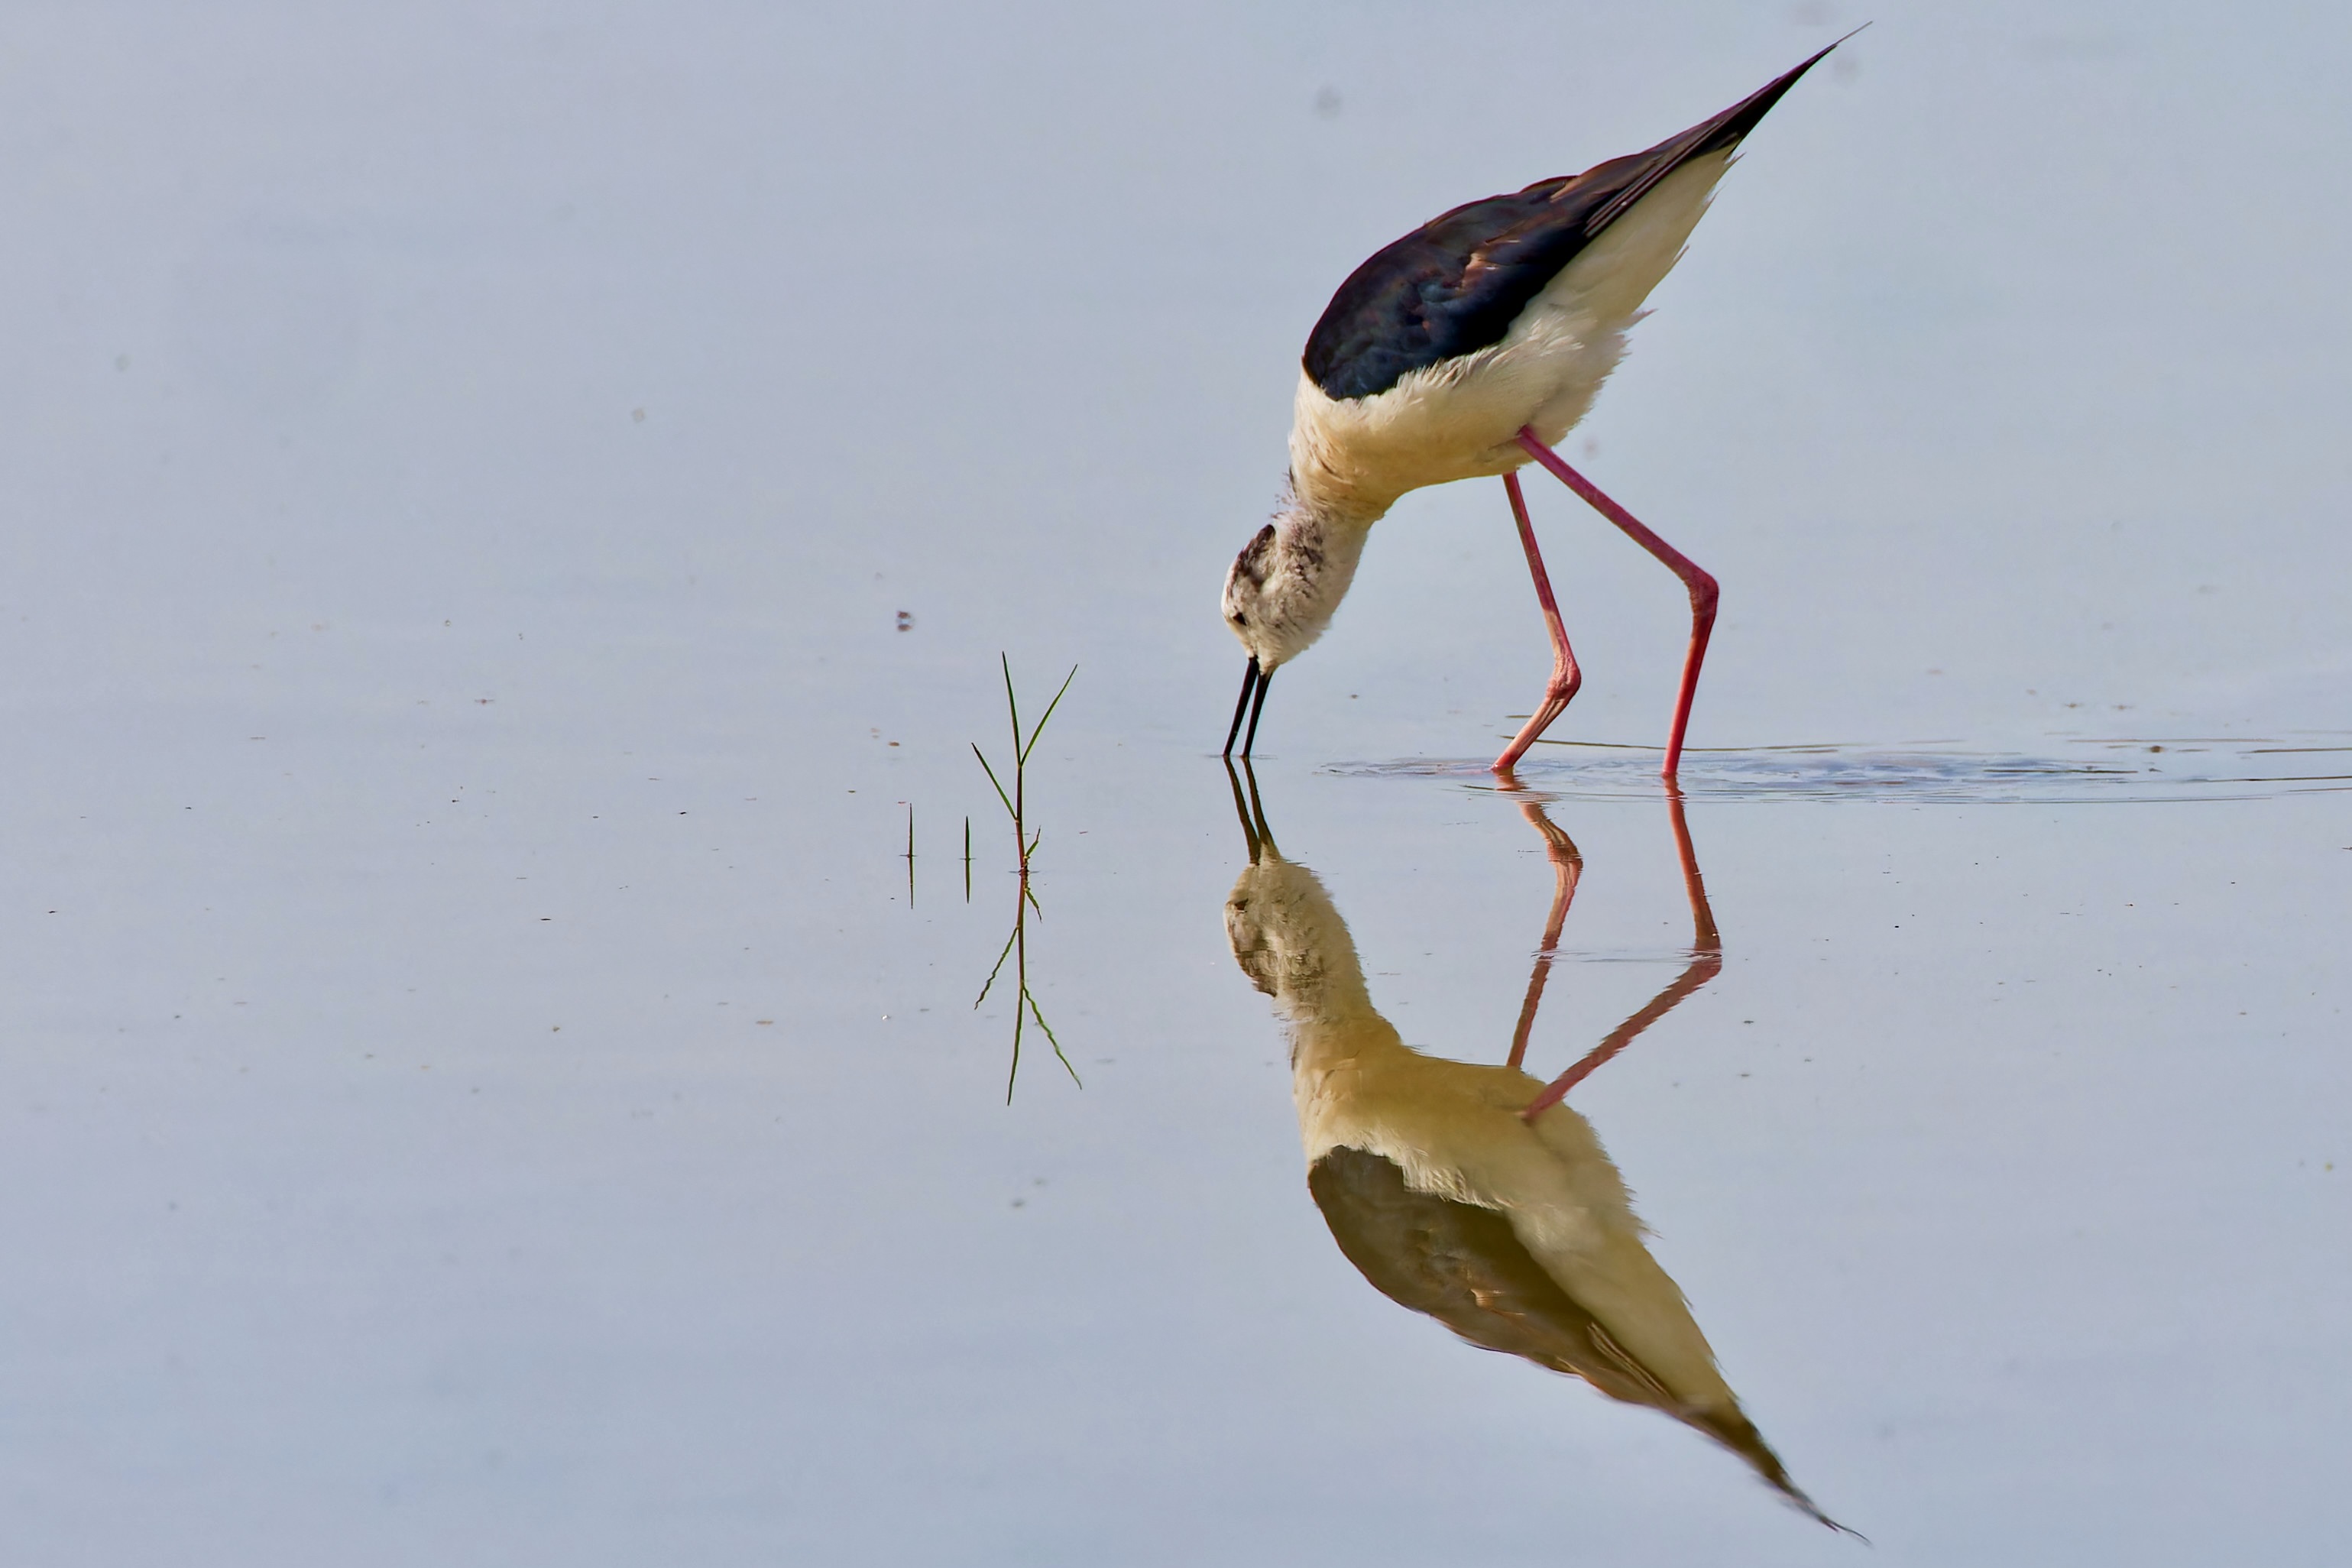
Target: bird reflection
{"points": [[1471, 1193]]}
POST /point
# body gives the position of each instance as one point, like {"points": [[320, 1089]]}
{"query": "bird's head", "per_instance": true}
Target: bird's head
{"points": [[1289, 940], [1285, 933], [1286, 584]]}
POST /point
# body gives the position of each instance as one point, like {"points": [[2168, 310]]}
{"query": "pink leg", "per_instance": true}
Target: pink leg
{"points": [[1701, 586], [1565, 676]]}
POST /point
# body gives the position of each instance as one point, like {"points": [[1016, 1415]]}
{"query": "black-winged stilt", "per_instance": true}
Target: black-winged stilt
{"points": [[1470, 347]]}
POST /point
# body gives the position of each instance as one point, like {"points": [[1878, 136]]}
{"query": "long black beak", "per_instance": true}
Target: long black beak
{"points": [[1253, 680], [1265, 685]]}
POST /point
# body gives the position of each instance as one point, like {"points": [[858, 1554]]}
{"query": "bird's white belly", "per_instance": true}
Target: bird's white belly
{"points": [[1460, 419]]}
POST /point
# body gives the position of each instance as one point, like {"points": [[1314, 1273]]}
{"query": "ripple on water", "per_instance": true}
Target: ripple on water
{"points": [[2090, 772]]}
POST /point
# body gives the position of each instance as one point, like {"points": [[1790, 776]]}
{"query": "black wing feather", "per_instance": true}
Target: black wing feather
{"points": [[1454, 285]]}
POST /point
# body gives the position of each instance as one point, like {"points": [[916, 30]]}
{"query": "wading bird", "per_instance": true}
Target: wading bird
{"points": [[1470, 347]]}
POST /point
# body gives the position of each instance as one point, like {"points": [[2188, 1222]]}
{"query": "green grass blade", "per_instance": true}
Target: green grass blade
{"points": [[1000, 966], [1013, 1076], [1057, 1044], [1012, 705], [1049, 713], [1000, 788]]}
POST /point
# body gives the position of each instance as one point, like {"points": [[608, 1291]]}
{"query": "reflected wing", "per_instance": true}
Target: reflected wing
{"points": [[1454, 285], [1465, 1266], [1462, 1265]]}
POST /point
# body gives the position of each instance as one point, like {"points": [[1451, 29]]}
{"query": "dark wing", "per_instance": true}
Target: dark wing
{"points": [[1454, 285], [1464, 1265]]}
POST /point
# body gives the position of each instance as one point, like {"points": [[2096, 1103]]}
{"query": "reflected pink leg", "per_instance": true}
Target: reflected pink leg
{"points": [[1565, 676], [1701, 586], [1567, 871], [1706, 963]]}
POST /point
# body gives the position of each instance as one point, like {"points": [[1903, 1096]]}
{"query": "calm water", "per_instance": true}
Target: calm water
{"points": [[511, 512]]}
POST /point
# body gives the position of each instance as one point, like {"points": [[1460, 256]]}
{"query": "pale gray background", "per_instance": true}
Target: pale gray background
{"points": [[427, 774]]}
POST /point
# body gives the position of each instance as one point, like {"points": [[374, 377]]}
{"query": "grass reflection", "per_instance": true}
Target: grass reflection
{"points": [[1024, 899]]}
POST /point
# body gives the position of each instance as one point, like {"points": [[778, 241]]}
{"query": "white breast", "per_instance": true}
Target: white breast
{"points": [[1461, 419]]}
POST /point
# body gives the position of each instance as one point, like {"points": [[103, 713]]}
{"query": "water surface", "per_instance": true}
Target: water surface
{"points": [[510, 511]]}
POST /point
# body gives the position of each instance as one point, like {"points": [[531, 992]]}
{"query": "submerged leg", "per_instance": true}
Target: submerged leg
{"points": [[1701, 586], [1565, 676], [1567, 868], [1706, 963]]}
